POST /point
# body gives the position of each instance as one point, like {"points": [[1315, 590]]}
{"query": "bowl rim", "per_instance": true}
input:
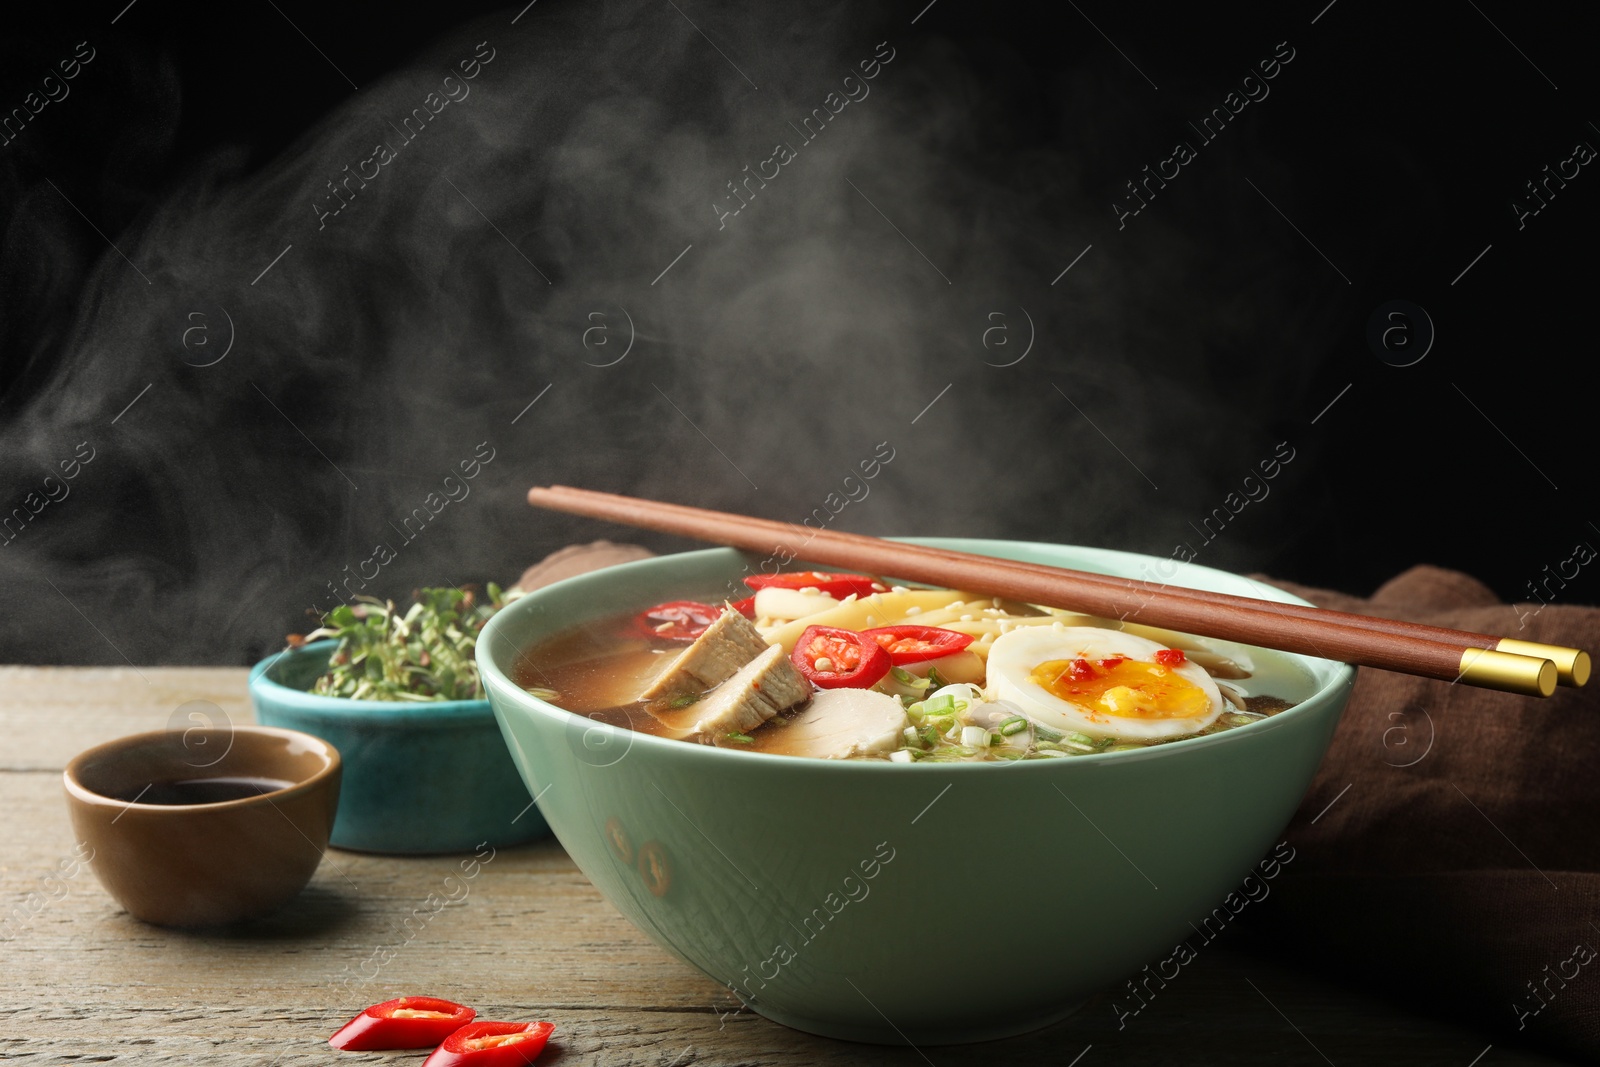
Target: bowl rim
{"points": [[495, 680], [398, 711], [332, 766]]}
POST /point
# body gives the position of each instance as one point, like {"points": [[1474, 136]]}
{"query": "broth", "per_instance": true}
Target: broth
{"points": [[600, 669]]}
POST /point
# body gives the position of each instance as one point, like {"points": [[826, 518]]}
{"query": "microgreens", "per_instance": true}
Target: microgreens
{"points": [[424, 654]]}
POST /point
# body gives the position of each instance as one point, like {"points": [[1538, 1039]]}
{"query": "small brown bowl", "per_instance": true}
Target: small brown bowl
{"points": [[197, 864]]}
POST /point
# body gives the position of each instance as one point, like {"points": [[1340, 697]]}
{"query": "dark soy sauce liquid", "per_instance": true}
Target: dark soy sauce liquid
{"points": [[203, 790]]}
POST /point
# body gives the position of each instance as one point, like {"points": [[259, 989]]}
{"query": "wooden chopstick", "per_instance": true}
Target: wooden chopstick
{"points": [[1572, 664], [1240, 619]]}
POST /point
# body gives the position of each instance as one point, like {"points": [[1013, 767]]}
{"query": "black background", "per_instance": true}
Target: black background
{"points": [[1396, 141]]}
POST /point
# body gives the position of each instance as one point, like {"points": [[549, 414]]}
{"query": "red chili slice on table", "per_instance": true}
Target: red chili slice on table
{"points": [[491, 1045], [676, 620], [837, 586], [917, 644], [832, 658], [405, 1022]]}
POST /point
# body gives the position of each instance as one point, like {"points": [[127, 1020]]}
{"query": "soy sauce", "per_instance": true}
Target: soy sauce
{"points": [[203, 790]]}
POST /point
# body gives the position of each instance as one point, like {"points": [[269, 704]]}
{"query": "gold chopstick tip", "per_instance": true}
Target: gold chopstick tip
{"points": [[1508, 672], [1572, 664]]}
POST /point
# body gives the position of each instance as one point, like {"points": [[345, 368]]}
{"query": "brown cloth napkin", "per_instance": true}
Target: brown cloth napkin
{"points": [[1447, 854]]}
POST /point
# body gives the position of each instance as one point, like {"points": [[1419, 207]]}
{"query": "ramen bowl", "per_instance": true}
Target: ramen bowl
{"points": [[424, 777], [927, 903]]}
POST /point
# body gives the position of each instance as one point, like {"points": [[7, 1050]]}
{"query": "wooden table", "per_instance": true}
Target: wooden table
{"points": [[82, 980]]}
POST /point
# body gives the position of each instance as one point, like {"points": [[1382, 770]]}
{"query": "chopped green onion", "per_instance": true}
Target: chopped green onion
{"points": [[1082, 739], [974, 736], [683, 700], [906, 678], [1046, 733], [743, 739], [1013, 725], [935, 679]]}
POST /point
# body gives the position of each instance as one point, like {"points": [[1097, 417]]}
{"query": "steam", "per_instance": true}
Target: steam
{"points": [[388, 329]]}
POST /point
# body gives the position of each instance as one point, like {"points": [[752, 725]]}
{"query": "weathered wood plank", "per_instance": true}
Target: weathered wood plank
{"points": [[530, 938], [49, 714]]}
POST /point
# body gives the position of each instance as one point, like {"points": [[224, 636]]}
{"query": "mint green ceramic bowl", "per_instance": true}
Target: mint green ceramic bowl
{"points": [[895, 903]]}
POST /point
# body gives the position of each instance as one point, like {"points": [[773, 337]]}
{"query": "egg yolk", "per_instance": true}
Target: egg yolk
{"points": [[1125, 688]]}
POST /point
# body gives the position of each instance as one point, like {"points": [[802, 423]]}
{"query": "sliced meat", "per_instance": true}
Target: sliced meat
{"points": [[839, 723], [728, 644], [759, 690]]}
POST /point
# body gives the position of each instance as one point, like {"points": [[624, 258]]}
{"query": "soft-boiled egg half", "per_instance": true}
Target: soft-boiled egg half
{"points": [[1104, 683]]}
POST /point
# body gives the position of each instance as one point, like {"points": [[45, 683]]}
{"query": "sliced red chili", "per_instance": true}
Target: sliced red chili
{"points": [[676, 620], [832, 658], [491, 1045], [916, 644], [745, 607], [837, 586], [405, 1022], [1171, 657]]}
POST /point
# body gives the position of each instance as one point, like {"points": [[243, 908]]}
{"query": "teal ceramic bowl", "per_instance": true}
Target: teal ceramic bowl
{"points": [[895, 903], [418, 778]]}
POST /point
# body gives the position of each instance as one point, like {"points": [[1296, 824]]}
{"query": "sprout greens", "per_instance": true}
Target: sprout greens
{"points": [[423, 654]]}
